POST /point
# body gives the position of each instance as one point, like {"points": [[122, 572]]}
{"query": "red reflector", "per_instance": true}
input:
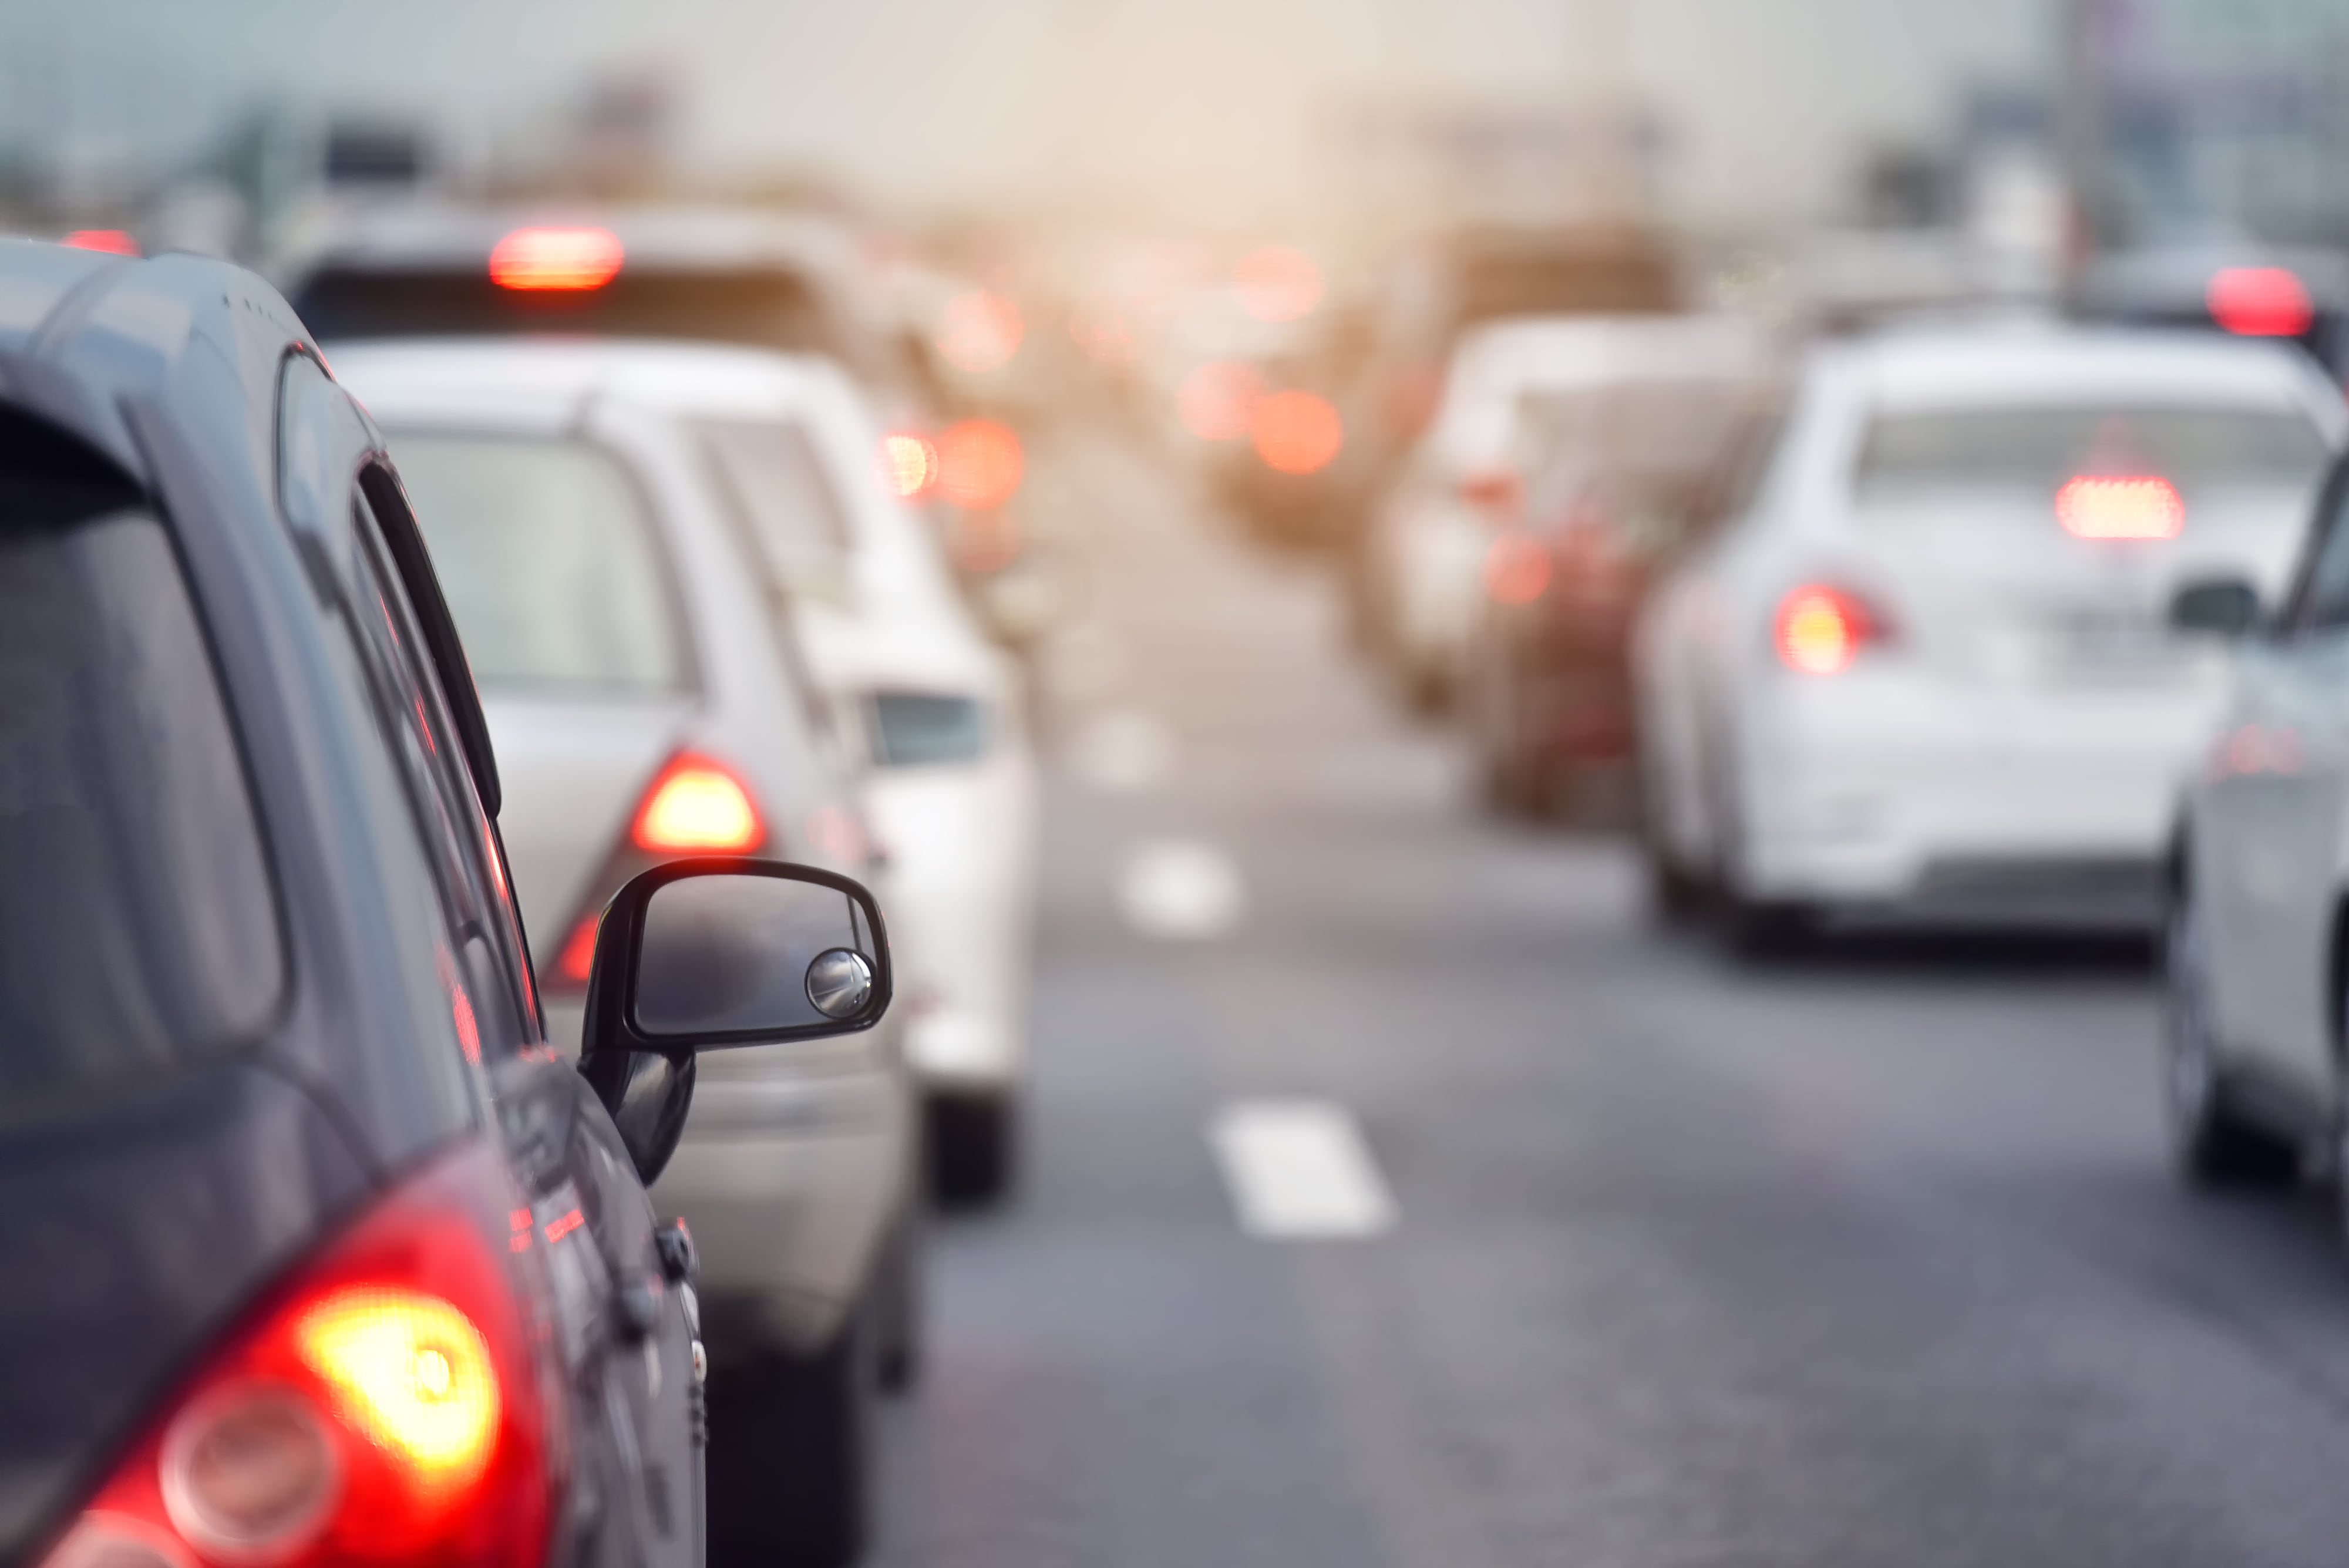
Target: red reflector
{"points": [[1297, 432], [114, 242], [697, 806], [2260, 302], [385, 1408], [556, 259], [980, 464], [1820, 630], [2096, 506]]}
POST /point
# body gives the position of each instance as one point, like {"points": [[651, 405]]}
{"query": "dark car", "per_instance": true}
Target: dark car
{"points": [[316, 1251], [2298, 297], [1619, 478]]}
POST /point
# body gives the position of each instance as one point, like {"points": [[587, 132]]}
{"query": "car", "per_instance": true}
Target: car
{"points": [[1918, 666], [320, 1254], [2256, 928], [1420, 586], [651, 702], [1613, 466]]}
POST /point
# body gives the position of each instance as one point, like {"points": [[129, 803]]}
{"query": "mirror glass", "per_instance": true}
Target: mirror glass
{"points": [[726, 953]]}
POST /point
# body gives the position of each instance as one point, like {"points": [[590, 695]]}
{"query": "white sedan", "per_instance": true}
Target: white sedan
{"points": [[1920, 662]]}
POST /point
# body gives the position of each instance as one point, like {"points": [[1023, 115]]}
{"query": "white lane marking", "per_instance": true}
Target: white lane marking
{"points": [[1122, 751], [1299, 1169], [1181, 889]]}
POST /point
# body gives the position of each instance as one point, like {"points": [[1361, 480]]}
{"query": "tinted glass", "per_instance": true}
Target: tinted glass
{"points": [[2041, 448], [773, 476], [137, 924], [549, 564], [913, 728]]}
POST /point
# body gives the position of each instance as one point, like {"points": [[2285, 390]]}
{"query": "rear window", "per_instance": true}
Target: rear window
{"points": [[766, 307], [2042, 448], [772, 477], [915, 729], [548, 561], [139, 925]]}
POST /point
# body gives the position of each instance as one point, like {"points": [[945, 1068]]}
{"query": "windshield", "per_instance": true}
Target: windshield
{"points": [[548, 560], [2040, 448]]}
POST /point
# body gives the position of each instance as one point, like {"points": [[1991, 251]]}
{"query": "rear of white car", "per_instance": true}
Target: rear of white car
{"points": [[1928, 669]]}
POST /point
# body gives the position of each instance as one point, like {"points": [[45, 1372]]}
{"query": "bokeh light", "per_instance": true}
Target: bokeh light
{"points": [[980, 332], [908, 463], [980, 465], [1297, 432], [2096, 506], [1218, 400], [1516, 568], [556, 259], [1275, 283], [2260, 302], [114, 242]]}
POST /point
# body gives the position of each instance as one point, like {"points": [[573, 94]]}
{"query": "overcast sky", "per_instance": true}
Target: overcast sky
{"points": [[1208, 107]]}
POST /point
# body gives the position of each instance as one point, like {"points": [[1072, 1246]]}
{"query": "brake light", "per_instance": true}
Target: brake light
{"points": [[1820, 630], [2260, 302], [577, 959], [1516, 568], [1296, 431], [2097, 507], [383, 1407], [542, 259], [113, 242], [909, 463], [697, 806], [980, 464]]}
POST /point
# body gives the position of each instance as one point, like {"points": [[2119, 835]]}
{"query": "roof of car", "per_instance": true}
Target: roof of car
{"points": [[2057, 362], [84, 332], [1598, 347], [564, 373]]}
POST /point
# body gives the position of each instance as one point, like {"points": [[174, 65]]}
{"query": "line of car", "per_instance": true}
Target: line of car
{"points": [[606, 501]]}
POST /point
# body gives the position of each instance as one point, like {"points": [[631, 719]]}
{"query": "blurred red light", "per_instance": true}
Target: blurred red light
{"points": [[1217, 399], [980, 465], [1820, 630], [1517, 569], [909, 463], [114, 242], [2094, 506], [556, 259], [980, 332], [1277, 284], [1297, 432], [2260, 302]]}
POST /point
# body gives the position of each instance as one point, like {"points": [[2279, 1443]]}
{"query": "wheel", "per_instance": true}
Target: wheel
{"points": [[974, 1147], [2212, 1143], [791, 1460]]}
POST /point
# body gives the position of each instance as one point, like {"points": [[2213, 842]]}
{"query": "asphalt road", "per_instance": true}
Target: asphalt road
{"points": [[1867, 1258]]}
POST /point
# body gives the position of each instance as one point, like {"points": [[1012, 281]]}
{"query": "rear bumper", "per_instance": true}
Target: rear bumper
{"points": [[1887, 792]]}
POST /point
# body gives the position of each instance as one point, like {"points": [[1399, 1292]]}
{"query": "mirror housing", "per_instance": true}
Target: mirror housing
{"points": [[716, 951], [2215, 606]]}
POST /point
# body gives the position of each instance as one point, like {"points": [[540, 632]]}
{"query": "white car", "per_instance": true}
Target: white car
{"points": [[646, 703], [1422, 573], [2258, 933], [1920, 662]]}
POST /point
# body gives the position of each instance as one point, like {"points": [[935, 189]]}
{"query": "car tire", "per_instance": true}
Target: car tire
{"points": [[791, 1457], [974, 1147], [2212, 1143]]}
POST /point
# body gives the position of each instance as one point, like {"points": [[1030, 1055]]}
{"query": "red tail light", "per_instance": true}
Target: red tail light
{"points": [[383, 1406], [697, 807], [556, 259], [980, 464], [2260, 302], [2097, 506], [114, 242], [909, 463], [1516, 568], [1296, 431], [1820, 630]]}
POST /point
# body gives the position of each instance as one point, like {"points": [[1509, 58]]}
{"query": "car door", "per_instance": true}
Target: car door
{"points": [[2275, 815]]}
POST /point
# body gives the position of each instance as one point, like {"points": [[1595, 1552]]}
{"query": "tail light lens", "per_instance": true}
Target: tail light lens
{"points": [[697, 806], [383, 1406], [2103, 506], [1820, 629], [560, 259]]}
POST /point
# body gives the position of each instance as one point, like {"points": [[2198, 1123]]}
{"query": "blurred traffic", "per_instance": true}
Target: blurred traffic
{"points": [[1495, 802]]}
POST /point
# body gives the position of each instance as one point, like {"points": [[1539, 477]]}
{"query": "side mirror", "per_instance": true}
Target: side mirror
{"points": [[2219, 606], [719, 951]]}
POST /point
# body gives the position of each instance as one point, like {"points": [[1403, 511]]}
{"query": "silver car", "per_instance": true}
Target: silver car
{"points": [[648, 703]]}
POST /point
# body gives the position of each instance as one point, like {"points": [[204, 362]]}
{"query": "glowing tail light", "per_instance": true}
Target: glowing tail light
{"points": [[556, 259], [1296, 431], [384, 1408], [2096, 506], [1820, 630], [697, 806], [1516, 568], [909, 463], [980, 465], [2260, 302], [113, 242]]}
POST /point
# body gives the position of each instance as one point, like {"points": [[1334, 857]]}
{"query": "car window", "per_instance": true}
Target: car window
{"points": [[139, 923], [912, 729], [774, 479], [2040, 447], [1739, 472], [551, 566], [2319, 599]]}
